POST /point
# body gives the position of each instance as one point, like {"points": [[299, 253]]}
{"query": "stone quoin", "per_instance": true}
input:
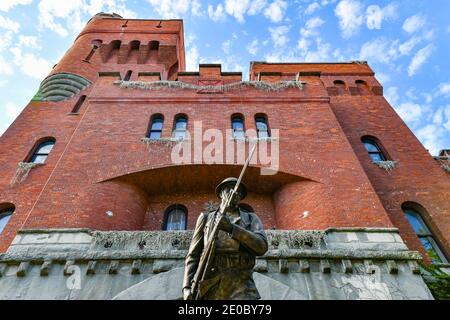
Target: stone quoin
{"points": [[92, 205]]}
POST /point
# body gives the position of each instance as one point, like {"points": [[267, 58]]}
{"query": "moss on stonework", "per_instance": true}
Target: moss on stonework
{"points": [[438, 281], [37, 97]]}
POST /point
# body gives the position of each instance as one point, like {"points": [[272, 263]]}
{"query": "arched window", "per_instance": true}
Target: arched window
{"points": [[156, 126], [362, 86], [175, 218], [340, 86], [180, 127], [237, 124], [423, 232], [114, 48], [41, 153], [373, 149], [262, 127], [6, 211]]}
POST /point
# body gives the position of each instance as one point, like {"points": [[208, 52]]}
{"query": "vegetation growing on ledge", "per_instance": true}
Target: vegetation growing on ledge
{"points": [[255, 140], [165, 84], [22, 171], [388, 165], [167, 142], [438, 281]]}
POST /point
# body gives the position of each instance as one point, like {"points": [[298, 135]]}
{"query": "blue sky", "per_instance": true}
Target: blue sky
{"points": [[406, 42]]}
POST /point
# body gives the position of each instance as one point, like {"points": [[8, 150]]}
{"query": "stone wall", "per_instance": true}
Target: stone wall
{"points": [[83, 264]]}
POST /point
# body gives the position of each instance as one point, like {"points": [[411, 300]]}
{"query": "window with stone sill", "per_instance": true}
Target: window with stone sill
{"points": [[156, 126], [424, 234], [262, 126], [180, 127], [42, 152], [238, 126], [377, 154]]}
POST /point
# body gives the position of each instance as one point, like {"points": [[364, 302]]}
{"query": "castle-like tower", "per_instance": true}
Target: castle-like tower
{"points": [[88, 178]]}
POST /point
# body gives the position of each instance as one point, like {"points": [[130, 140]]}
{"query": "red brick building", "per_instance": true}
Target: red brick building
{"points": [[347, 160]]}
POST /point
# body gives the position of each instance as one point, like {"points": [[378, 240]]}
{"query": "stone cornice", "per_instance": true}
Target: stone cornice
{"points": [[209, 99]]}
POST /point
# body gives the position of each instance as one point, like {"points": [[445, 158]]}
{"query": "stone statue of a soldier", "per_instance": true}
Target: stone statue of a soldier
{"points": [[240, 239]]}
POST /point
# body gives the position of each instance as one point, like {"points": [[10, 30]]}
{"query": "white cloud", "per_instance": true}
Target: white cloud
{"points": [[170, 9], [49, 10], [385, 50], [392, 96], [29, 41], [9, 112], [5, 67], [321, 54], [406, 47], [444, 89], [192, 58], [409, 111], [414, 23], [6, 5], [64, 17], [310, 27], [431, 136], [275, 11], [375, 15], [256, 6], [30, 64], [383, 78], [252, 47], [9, 24], [312, 8], [237, 9], [216, 15], [419, 59], [279, 35], [226, 46], [5, 40], [12, 110], [447, 116], [380, 50], [349, 13]]}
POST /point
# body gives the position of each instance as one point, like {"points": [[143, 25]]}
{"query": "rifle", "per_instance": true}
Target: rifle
{"points": [[208, 252]]}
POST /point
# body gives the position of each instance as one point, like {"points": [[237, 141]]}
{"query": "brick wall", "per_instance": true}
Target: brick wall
{"points": [[99, 163]]}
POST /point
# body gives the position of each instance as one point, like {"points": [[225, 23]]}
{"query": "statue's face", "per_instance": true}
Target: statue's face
{"points": [[225, 194]]}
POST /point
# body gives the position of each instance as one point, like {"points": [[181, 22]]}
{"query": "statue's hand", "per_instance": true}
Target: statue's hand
{"points": [[224, 224], [187, 294]]}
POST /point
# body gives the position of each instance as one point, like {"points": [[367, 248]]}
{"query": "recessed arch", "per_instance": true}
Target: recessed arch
{"points": [[363, 87], [340, 86], [114, 47]]}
